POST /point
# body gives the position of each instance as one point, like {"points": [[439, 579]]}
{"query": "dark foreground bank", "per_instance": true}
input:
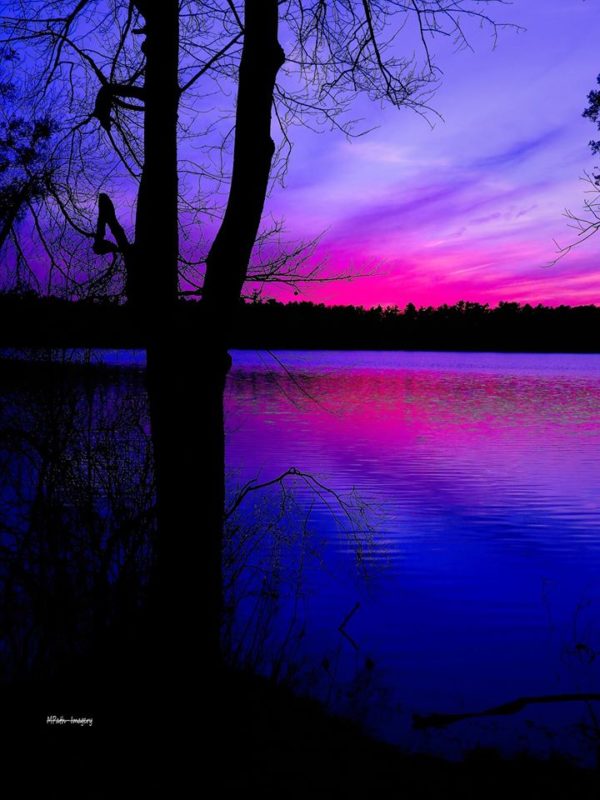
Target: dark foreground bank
{"points": [[29, 321], [151, 738]]}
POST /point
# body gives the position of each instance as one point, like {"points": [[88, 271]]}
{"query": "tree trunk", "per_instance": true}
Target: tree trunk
{"points": [[185, 380], [186, 385], [187, 368], [185, 396], [153, 261], [228, 259]]}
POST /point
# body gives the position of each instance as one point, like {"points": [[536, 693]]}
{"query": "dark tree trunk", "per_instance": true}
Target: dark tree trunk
{"points": [[229, 256], [153, 260], [227, 262], [185, 382], [186, 385], [187, 369], [185, 404]]}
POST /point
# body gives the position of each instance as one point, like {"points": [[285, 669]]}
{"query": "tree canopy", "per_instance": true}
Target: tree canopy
{"points": [[586, 223], [592, 112], [88, 60]]}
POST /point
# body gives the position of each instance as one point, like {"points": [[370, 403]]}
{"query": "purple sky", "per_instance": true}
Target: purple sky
{"points": [[469, 209]]}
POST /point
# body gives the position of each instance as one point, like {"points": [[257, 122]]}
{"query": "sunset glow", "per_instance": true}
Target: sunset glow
{"points": [[470, 208]]}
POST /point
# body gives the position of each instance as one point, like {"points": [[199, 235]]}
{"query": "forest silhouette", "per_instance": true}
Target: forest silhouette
{"points": [[27, 320]]}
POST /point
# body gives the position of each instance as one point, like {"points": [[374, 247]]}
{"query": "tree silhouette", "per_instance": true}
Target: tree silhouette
{"points": [[26, 171], [592, 112], [586, 223], [132, 82], [92, 60]]}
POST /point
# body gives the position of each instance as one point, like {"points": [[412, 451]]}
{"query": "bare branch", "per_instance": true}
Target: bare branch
{"points": [[205, 68], [587, 223]]}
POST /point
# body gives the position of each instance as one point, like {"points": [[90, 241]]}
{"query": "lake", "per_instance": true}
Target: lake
{"points": [[481, 580], [437, 550]]}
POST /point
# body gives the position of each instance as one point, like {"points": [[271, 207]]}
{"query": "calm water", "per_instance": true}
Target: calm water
{"points": [[482, 476], [440, 555]]}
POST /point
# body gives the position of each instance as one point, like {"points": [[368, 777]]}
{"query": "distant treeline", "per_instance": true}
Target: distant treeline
{"points": [[464, 326], [28, 321]]}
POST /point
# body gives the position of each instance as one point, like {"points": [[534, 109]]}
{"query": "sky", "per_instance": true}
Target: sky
{"points": [[467, 209]]}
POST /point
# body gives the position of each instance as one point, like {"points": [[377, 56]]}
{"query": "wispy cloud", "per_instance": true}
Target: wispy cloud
{"points": [[469, 210], [519, 151]]}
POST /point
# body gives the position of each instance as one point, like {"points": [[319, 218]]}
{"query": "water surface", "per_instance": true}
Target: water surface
{"points": [[482, 472], [436, 551]]}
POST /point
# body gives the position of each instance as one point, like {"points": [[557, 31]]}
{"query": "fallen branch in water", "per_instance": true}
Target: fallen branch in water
{"points": [[345, 621], [421, 722]]}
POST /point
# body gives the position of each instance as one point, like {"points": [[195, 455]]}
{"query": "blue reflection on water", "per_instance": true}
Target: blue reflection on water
{"points": [[483, 472], [472, 578]]}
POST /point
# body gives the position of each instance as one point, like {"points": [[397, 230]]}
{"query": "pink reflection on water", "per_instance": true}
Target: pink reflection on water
{"points": [[500, 432]]}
